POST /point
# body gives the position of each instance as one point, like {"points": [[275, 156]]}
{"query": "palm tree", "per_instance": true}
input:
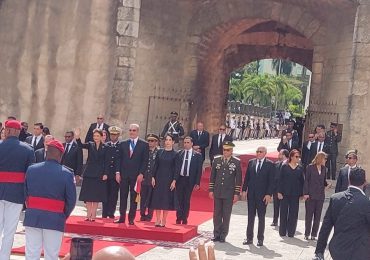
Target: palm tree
{"points": [[283, 66]]}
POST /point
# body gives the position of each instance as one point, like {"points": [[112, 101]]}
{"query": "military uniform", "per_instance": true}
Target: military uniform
{"points": [[225, 182], [50, 198], [332, 140], [109, 207], [147, 188], [175, 129], [15, 158]]}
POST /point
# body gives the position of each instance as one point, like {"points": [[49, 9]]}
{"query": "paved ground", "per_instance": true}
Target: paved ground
{"points": [[275, 247]]}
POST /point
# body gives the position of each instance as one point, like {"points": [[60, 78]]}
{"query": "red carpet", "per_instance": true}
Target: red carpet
{"points": [[135, 249]]}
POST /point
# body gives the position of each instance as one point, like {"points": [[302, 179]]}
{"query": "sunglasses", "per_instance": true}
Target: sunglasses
{"points": [[99, 118], [222, 129], [151, 141], [260, 151], [133, 130], [311, 137], [227, 150], [67, 136], [352, 158]]}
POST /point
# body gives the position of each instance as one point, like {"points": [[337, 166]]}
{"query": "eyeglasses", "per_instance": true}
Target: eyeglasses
{"points": [[260, 151], [99, 118], [227, 150], [352, 158], [222, 129], [151, 141], [133, 130]]}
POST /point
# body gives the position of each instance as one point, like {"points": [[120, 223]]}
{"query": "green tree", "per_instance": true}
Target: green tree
{"points": [[283, 66]]}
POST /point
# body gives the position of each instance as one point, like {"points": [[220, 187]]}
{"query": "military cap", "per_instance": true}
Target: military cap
{"points": [[228, 145], [13, 124], [173, 113], [349, 152], [152, 137], [57, 144], [333, 124], [114, 130]]}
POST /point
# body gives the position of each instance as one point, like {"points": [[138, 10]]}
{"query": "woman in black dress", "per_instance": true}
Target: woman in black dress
{"points": [[164, 182], [290, 189], [93, 189]]}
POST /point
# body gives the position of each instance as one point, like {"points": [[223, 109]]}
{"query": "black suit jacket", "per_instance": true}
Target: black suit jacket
{"points": [[40, 155], [97, 161], [342, 181], [278, 166], [291, 181], [202, 141], [73, 158], [315, 183], [306, 154], [93, 126], [195, 167], [349, 214], [313, 150], [215, 148], [259, 184], [131, 167], [39, 145], [286, 146]]}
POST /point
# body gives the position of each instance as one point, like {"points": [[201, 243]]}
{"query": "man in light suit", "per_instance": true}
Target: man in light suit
{"points": [[98, 125], [132, 163], [189, 171], [37, 139], [217, 142], [200, 139], [349, 214], [257, 189]]}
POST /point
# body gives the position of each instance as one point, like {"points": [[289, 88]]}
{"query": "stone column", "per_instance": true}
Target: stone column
{"points": [[359, 98], [128, 17]]}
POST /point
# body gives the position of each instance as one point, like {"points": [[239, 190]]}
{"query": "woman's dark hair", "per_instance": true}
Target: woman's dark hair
{"points": [[46, 130], [98, 131], [168, 135], [293, 153]]}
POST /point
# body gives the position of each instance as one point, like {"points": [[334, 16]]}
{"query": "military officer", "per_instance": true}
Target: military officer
{"points": [[15, 157], [146, 186], [109, 207], [332, 139], [224, 189], [50, 198], [174, 128]]}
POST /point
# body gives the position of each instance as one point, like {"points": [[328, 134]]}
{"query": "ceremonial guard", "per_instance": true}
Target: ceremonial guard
{"points": [[146, 213], [50, 198], [109, 207], [174, 128], [15, 157], [224, 189], [332, 139]]}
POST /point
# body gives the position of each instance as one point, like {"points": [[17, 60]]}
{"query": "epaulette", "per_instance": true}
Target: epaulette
{"points": [[236, 158]]}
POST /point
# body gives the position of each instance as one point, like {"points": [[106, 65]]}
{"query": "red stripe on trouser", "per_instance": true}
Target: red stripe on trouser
{"points": [[52, 205], [12, 177]]}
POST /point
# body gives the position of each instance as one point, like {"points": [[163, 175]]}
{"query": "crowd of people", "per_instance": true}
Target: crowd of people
{"points": [[162, 179]]}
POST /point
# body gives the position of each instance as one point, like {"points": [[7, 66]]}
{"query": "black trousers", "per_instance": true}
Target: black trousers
{"points": [[221, 216], [288, 215], [183, 193], [331, 164], [127, 185], [313, 210], [145, 196], [109, 207], [276, 208], [256, 205]]}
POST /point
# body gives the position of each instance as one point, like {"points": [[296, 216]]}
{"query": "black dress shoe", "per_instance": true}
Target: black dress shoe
{"points": [[260, 243], [104, 216], [247, 242], [313, 238], [306, 237], [222, 240], [185, 222], [111, 216], [273, 224], [120, 220], [131, 222], [215, 239], [143, 218], [178, 221]]}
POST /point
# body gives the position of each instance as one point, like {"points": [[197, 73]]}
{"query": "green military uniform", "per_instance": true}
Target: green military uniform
{"points": [[226, 181]]}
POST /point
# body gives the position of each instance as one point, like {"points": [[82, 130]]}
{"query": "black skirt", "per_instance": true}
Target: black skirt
{"points": [[93, 190]]}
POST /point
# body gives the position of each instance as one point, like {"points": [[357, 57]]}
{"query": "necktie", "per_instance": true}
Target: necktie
{"points": [[186, 163], [259, 166], [219, 140], [320, 148], [199, 134], [132, 146], [35, 142], [67, 148]]}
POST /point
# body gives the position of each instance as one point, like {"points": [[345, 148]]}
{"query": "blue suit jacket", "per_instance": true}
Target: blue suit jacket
{"points": [[49, 180]]}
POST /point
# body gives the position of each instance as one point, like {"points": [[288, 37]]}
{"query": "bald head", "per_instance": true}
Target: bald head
{"points": [[113, 253]]}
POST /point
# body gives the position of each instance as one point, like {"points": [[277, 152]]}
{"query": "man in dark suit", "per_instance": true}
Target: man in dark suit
{"points": [[290, 128], [288, 143], [349, 214], [283, 158], [342, 182], [217, 141], [37, 139], [112, 154], [306, 147], [258, 189], [189, 171], [98, 125], [332, 139], [200, 139], [40, 154], [319, 146], [132, 163], [24, 132], [72, 157]]}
